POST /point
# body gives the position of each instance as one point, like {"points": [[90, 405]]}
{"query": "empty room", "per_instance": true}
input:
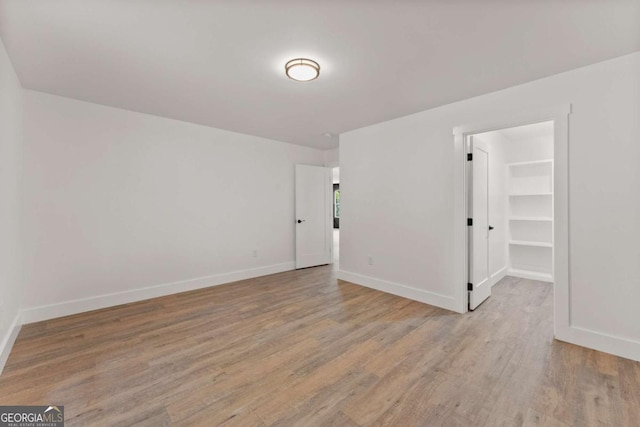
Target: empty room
{"points": [[319, 213]]}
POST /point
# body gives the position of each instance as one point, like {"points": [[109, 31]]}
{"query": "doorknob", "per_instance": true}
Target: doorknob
{"points": [[490, 228], [301, 220]]}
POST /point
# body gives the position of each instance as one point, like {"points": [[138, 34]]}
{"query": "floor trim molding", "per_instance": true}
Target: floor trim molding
{"points": [[541, 277], [401, 290], [66, 308], [618, 346], [499, 275], [9, 339]]}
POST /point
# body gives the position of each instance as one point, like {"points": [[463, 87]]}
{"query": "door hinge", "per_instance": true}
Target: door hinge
{"points": [[469, 286], [469, 157], [470, 222]]}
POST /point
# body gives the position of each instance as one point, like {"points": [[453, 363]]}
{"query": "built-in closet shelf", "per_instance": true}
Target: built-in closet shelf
{"points": [[530, 215], [531, 243], [532, 163], [530, 218], [542, 193]]}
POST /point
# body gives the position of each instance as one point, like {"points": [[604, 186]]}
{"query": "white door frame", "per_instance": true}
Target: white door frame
{"points": [[560, 116]]}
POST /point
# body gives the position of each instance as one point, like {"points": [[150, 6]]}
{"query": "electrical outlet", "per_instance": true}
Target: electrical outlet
{"points": [[370, 260], [254, 253]]}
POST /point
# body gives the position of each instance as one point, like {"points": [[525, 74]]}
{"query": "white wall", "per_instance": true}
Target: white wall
{"points": [[404, 216], [496, 145], [332, 157], [118, 201], [10, 200], [530, 150]]}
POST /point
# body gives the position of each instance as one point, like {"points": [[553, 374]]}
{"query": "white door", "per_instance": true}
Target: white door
{"points": [[314, 205], [480, 288]]}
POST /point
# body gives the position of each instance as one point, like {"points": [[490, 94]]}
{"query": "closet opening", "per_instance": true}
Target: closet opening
{"points": [[533, 214], [510, 208]]}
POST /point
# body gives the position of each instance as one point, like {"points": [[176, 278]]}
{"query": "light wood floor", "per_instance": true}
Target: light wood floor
{"points": [[300, 348]]}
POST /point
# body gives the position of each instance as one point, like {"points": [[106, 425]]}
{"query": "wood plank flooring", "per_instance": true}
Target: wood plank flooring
{"points": [[303, 349]]}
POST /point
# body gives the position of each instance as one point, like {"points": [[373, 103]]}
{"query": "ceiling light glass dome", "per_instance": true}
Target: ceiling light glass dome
{"points": [[302, 69]]}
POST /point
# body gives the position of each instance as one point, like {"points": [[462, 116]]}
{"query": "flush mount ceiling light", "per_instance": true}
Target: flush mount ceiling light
{"points": [[302, 69]]}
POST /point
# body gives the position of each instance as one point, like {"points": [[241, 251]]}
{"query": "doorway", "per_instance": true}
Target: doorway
{"points": [[510, 207], [336, 215], [559, 115]]}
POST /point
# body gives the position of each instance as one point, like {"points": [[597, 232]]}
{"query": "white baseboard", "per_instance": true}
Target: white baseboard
{"points": [[618, 346], [499, 275], [52, 311], [9, 338], [531, 275], [405, 291]]}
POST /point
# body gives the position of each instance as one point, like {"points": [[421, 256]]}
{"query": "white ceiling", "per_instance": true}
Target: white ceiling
{"points": [[221, 63]]}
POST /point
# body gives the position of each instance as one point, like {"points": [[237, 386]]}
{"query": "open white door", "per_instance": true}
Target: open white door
{"points": [[479, 283], [314, 205]]}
